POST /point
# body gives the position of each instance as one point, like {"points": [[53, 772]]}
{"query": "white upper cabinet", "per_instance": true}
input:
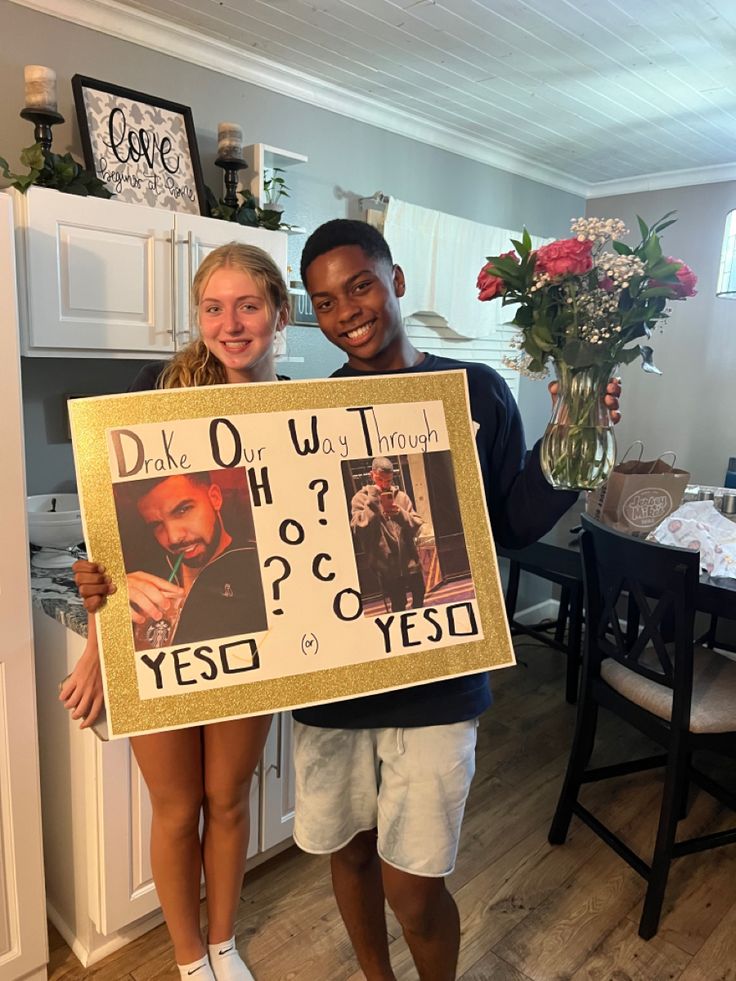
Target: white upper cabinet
{"points": [[97, 276], [101, 278]]}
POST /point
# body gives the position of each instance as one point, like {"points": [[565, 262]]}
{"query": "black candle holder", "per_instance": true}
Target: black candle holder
{"points": [[43, 120], [230, 167]]}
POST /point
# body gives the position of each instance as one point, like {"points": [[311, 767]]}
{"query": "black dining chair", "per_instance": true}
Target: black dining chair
{"points": [[649, 673]]}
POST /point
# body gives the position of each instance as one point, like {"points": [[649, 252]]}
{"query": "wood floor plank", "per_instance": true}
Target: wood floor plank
{"points": [[554, 941], [702, 887], [716, 959], [624, 955], [491, 966]]}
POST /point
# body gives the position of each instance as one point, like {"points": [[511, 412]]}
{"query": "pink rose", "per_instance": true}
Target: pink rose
{"points": [[566, 257], [491, 286], [685, 286], [686, 280]]}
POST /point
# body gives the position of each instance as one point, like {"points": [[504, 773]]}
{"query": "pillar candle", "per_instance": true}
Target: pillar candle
{"points": [[40, 87], [229, 140]]}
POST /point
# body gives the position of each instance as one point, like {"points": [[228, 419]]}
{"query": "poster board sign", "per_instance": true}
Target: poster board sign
{"points": [[259, 565]]}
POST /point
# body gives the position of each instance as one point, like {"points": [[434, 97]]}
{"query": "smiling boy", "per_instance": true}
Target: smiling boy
{"points": [[382, 780]]}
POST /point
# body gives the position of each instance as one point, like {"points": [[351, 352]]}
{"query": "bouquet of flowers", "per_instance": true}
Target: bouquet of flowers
{"points": [[586, 308]]}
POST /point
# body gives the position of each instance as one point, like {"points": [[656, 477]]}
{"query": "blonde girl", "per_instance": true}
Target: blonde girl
{"points": [[242, 307]]}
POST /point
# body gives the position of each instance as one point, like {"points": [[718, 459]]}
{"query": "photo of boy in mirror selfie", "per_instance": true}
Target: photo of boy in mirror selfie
{"points": [[407, 532]]}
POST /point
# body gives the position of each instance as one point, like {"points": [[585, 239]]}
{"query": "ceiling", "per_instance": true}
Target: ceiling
{"points": [[596, 96]]}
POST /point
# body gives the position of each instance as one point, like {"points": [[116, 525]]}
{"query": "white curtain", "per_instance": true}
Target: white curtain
{"points": [[441, 256]]}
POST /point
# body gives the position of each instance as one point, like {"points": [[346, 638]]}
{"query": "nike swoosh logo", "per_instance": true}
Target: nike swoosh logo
{"points": [[194, 970], [226, 950]]}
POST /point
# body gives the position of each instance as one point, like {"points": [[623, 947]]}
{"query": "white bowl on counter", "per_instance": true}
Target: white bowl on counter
{"points": [[55, 527]]}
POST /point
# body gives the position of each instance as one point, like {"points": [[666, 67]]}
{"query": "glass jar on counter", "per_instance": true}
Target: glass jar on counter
{"points": [[728, 506]]}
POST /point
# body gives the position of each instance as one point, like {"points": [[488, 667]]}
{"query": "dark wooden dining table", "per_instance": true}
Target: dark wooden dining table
{"points": [[556, 557]]}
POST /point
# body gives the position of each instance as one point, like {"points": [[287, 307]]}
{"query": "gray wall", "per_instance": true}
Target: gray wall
{"points": [[691, 407], [347, 160]]}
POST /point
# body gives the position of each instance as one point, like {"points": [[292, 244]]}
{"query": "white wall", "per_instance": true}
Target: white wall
{"points": [[691, 408]]}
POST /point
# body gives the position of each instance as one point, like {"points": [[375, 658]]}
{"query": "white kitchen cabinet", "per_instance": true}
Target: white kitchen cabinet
{"points": [[277, 784], [101, 278], [99, 889], [23, 942]]}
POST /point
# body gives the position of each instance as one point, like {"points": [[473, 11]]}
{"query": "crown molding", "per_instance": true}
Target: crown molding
{"points": [[150, 31], [658, 182]]}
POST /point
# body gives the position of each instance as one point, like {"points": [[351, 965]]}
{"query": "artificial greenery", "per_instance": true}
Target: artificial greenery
{"points": [[247, 213], [274, 186], [61, 172]]}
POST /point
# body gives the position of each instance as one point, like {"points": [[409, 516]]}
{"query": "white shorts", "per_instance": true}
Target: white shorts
{"points": [[409, 784]]}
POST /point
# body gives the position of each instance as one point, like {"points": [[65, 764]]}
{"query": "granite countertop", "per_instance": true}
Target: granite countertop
{"points": [[54, 592]]}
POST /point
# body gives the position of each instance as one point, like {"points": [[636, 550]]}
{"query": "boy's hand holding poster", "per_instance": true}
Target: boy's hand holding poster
{"points": [[281, 544]]}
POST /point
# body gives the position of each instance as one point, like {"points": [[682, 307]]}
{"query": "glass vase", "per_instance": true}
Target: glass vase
{"points": [[579, 447]]}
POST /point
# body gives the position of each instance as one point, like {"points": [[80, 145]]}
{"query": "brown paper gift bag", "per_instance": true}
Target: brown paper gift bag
{"points": [[639, 494]]}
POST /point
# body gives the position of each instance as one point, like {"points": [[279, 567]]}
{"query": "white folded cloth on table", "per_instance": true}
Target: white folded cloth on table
{"points": [[699, 526]]}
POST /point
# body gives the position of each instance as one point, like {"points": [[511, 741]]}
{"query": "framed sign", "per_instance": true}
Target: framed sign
{"points": [[143, 148], [276, 545]]}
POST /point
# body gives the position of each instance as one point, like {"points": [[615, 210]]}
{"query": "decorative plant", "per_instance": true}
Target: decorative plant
{"points": [[54, 170], [246, 213], [586, 310], [274, 188]]}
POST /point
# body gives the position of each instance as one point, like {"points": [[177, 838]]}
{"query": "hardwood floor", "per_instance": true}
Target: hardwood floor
{"points": [[529, 912]]}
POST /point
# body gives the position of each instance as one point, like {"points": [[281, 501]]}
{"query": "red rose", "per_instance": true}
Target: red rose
{"points": [[491, 286], [566, 257]]}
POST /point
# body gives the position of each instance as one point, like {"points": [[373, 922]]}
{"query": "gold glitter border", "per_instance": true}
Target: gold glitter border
{"points": [[127, 714]]}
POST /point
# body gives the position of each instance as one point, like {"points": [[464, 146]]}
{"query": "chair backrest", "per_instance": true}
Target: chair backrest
{"points": [[659, 583]]}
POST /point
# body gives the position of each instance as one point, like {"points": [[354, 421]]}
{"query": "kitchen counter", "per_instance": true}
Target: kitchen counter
{"points": [[54, 592]]}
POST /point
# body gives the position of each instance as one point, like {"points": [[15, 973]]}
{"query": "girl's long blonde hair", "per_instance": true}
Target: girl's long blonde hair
{"points": [[194, 365]]}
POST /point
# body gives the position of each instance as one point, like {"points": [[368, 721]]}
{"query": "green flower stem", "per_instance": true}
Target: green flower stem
{"points": [[572, 330], [579, 449]]}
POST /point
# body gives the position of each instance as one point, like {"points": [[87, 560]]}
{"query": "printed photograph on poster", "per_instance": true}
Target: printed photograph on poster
{"points": [[143, 147], [191, 561], [408, 534], [279, 545]]}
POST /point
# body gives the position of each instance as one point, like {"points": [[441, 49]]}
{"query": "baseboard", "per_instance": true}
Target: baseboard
{"points": [[546, 610], [111, 943], [37, 974]]}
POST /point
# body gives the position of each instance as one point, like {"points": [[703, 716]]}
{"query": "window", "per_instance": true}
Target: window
{"points": [[727, 272]]}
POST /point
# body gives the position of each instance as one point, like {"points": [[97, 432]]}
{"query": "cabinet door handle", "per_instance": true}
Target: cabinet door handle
{"points": [[190, 276], [279, 747], [174, 288]]}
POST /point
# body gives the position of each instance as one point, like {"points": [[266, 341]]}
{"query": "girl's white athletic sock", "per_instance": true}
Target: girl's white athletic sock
{"points": [[197, 971], [227, 964]]}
